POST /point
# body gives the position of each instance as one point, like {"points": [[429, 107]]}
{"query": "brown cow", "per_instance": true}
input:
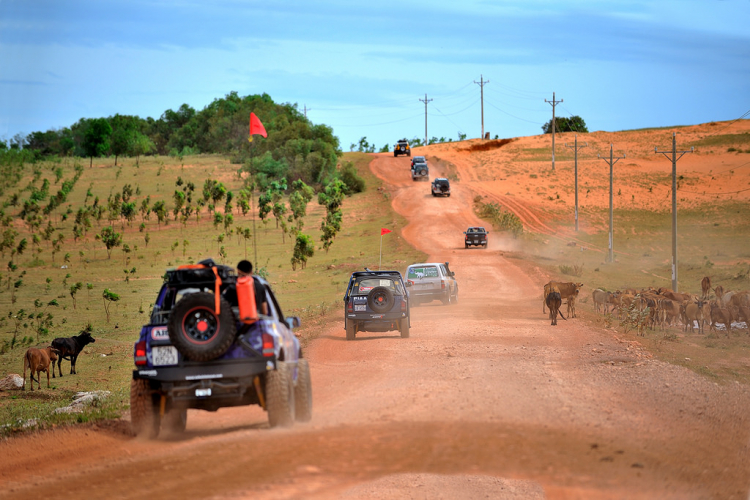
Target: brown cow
{"points": [[572, 304], [678, 297], [601, 300], [705, 287], [38, 360], [720, 315], [554, 301], [670, 311], [719, 291], [566, 289], [693, 313]]}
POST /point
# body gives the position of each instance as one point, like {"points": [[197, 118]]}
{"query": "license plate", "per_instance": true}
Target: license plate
{"points": [[164, 355], [202, 393], [360, 308]]}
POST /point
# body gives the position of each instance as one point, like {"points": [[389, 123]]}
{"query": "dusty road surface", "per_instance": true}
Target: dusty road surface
{"points": [[485, 400]]}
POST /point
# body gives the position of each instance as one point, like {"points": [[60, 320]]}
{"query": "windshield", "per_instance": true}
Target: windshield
{"points": [[364, 286]]}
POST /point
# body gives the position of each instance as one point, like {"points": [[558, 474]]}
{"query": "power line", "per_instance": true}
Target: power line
{"points": [[513, 116], [612, 160], [425, 101]]}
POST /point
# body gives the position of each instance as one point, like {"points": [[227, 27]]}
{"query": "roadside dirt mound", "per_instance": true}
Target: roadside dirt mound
{"points": [[487, 145]]}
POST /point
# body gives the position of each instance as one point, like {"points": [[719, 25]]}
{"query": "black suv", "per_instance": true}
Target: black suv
{"points": [[195, 353], [441, 187], [376, 301], [402, 148], [475, 236], [419, 169]]}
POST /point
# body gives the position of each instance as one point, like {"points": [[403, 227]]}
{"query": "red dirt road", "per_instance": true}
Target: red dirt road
{"points": [[485, 400]]}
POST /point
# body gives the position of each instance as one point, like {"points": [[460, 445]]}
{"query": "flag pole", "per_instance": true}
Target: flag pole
{"points": [[381, 251]]}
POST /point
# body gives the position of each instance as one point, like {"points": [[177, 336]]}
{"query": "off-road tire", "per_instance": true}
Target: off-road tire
{"points": [[280, 396], [303, 393], [195, 329], [144, 416], [351, 330], [380, 299], [455, 298], [408, 154], [446, 300], [404, 327], [175, 420]]}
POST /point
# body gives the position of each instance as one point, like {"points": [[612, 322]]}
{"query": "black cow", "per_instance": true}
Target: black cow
{"points": [[554, 301], [70, 348]]}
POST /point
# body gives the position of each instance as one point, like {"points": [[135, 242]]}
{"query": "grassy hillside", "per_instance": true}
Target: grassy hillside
{"points": [[106, 364]]}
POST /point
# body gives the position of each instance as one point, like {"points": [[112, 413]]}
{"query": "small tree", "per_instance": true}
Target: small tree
{"points": [[110, 238], [303, 248], [74, 290], [96, 138], [109, 297]]}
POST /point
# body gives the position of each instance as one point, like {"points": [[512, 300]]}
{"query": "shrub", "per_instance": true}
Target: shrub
{"points": [[350, 177], [499, 218]]}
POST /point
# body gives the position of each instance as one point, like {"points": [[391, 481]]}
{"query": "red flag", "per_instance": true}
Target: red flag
{"points": [[256, 127], [384, 231]]}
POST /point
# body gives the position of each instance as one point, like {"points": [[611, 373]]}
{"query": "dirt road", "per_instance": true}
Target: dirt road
{"points": [[485, 400]]}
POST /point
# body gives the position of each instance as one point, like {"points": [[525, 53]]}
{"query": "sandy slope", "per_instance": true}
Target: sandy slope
{"points": [[485, 400]]}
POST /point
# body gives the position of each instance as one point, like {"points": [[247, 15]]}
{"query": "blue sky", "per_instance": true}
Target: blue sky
{"points": [[362, 67]]}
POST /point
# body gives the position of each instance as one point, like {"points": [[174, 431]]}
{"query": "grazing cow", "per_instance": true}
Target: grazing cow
{"points": [[719, 291], [38, 361], [554, 301], [70, 348], [705, 287], [720, 315], [670, 310], [678, 297], [601, 300], [693, 313], [566, 289]]}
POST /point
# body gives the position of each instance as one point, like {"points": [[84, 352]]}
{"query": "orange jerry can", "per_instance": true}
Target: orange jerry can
{"points": [[246, 299]]}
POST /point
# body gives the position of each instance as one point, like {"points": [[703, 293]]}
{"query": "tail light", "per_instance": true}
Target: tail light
{"points": [[268, 350], [403, 305], [140, 353], [442, 285], [350, 306]]}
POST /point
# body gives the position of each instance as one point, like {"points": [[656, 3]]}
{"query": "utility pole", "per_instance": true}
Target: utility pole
{"points": [[576, 148], [553, 102], [481, 84], [306, 110], [425, 101], [674, 202], [611, 162]]}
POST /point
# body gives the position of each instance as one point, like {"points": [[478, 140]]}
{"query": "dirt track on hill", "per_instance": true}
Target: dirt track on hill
{"points": [[485, 400]]}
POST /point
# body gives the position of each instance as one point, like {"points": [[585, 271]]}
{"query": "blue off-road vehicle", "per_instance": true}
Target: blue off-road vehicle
{"points": [[376, 301], [195, 352]]}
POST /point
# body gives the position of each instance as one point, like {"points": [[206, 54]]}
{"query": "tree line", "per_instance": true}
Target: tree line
{"points": [[295, 148]]}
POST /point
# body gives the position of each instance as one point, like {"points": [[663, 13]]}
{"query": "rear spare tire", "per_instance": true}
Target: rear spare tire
{"points": [[144, 417], [197, 331], [280, 396], [380, 299], [303, 393]]}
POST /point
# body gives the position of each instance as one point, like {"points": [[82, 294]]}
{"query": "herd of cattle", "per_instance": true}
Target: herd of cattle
{"points": [[39, 360], [662, 306]]}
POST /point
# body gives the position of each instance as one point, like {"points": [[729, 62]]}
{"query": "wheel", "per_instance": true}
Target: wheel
{"points": [[466, 246], [380, 299], [144, 417], [351, 330], [408, 154], [455, 298], [395, 155], [433, 194], [175, 420], [303, 393], [195, 329], [404, 327], [280, 396], [446, 300], [448, 195]]}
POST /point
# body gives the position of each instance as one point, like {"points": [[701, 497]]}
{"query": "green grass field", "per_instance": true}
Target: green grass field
{"points": [[106, 364]]}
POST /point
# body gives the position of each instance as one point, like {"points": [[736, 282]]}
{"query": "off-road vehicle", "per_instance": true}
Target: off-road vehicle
{"points": [[475, 236], [431, 281], [402, 148], [441, 187], [376, 301], [419, 169], [200, 351]]}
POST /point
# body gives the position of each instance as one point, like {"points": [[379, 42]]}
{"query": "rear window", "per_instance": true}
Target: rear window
{"points": [[416, 273], [363, 287]]}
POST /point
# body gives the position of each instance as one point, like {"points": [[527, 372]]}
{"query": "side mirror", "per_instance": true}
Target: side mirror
{"points": [[293, 322]]}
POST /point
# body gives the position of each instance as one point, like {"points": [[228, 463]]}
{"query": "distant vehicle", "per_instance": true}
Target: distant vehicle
{"points": [[418, 159], [419, 169], [441, 187], [402, 148], [431, 281], [196, 353], [475, 236], [376, 301]]}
